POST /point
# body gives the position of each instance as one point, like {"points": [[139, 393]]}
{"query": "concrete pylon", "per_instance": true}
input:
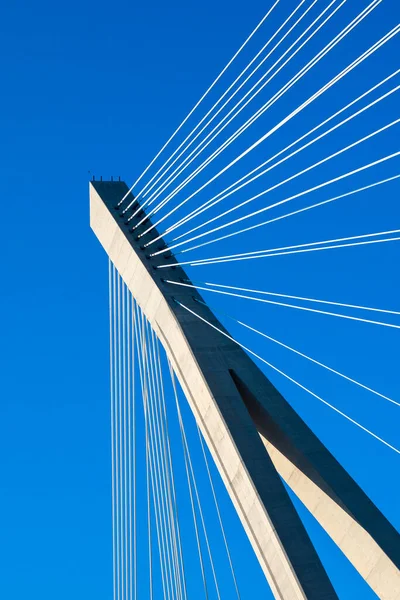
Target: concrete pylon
{"points": [[253, 434]]}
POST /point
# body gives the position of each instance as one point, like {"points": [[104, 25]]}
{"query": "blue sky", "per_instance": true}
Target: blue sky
{"points": [[94, 88]]}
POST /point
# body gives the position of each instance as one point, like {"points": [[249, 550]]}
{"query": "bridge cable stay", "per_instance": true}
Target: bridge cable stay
{"points": [[265, 107], [300, 210], [162, 187], [284, 201], [155, 472], [164, 169], [162, 427], [174, 504], [297, 307], [206, 205], [275, 128], [132, 454], [125, 431], [200, 101], [196, 495], [150, 459], [190, 488], [119, 439], [205, 185], [305, 146], [303, 355], [307, 169], [242, 128], [133, 344], [315, 300], [291, 379], [217, 507], [111, 287], [274, 251], [191, 476]]}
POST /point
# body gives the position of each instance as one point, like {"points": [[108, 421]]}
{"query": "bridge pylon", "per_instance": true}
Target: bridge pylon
{"points": [[254, 435]]}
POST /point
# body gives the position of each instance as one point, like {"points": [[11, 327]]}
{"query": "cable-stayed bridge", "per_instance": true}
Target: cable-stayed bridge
{"points": [[327, 127]]}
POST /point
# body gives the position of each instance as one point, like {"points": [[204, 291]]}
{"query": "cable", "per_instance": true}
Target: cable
{"points": [[249, 122], [111, 279], [304, 308], [162, 168], [182, 166], [119, 426], [275, 251], [156, 453], [218, 513], [291, 178], [200, 101], [185, 455], [291, 379], [291, 214], [134, 461], [173, 502], [125, 465], [160, 432], [310, 143], [313, 360], [145, 396], [356, 306], [305, 69], [222, 195], [130, 370]]}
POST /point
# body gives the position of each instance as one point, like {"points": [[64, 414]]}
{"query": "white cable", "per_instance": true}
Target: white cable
{"points": [[213, 262], [145, 394], [198, 499], [276, 303], [209, 203], [218, 513], [160, 436], [133, 508], [295, 212], [292, 380], [168, 464], [287, 180], [318, 301], [130, 401], [119, 425], [179, 543], [310, 143], [249, 122], [358, 383], [203, 522], [242, 128], [273, 251], [312, 63], [285, 200], [298, 174], [111, 277], [168, 460], [313, 360], [164, 170], [162, 187], [143, 382], [125, 462], [156, 453], [200, 101], [185, 456]]}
